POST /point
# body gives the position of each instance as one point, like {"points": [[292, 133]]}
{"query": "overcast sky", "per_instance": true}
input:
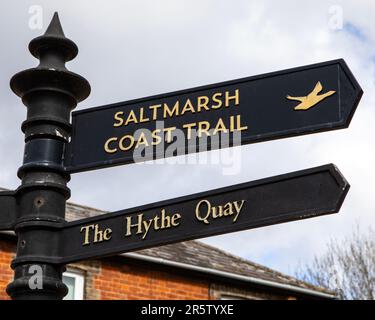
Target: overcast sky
{"points": [[136, 48]]}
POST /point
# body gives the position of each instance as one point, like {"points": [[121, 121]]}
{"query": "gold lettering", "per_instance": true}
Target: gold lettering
{"points": [[122, 145], [239, 128], [129, 225], [238, 208], [141, 116], [228, 209], [203, 103], [107, 234], [157, 222], [131, 118], [175, 218], [170, 112], [86, 229], [165, 220], [169, 133], [119, 119], [147, 225], [107, 147], [235, 97], [220, 127], [198, 212], [188, 107], [218, 101], [232, 127], [142, 140], [201, 130], [204, 211], [189, 127], [155, 108], [217, 212], [99, 235], [156, 138]]}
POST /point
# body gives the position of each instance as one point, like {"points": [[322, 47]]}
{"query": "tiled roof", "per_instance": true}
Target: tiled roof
{"points": [[200, 254]]}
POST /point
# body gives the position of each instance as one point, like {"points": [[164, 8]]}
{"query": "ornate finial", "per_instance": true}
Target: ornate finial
{"points": [[53, 49], [55, 28], [53, 39], [50, 83]]}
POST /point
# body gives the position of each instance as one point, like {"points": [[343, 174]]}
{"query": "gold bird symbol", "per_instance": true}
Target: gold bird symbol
{"points": [[312, 98]]}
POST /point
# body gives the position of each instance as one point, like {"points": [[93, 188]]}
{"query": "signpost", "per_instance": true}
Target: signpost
{"points": [[294, 196], [299, 101], [259, 108]]}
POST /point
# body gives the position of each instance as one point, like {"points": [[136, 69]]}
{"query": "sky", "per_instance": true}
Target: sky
{"points": [[134, 49]]}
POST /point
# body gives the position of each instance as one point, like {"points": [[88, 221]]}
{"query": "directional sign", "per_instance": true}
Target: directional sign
{"points": [[8, 209], [294, 196], [282, 104]]}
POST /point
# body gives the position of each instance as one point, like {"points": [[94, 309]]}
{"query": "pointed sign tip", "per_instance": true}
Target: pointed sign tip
{"points": [[55, 27]]}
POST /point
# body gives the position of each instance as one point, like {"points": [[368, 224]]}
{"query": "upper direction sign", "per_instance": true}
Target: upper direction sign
{"points": [[293, 196], [282, 104]]}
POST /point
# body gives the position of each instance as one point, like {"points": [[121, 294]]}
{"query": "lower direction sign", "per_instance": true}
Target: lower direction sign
{"points": [[293, 196]]}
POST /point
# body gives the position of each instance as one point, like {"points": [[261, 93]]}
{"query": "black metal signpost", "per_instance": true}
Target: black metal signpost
{"points": [[282, 104], [50, 92]]}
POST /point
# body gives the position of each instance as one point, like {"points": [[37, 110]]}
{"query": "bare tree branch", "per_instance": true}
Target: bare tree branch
{"points": [[347, 267]]}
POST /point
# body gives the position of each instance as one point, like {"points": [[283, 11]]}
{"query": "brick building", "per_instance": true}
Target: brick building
{"points": [[187, 270]]}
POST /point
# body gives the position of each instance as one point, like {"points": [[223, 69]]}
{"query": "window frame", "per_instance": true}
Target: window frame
{"points": [[79, 283]]}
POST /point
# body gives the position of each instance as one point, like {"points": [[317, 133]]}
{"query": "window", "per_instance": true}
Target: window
{"points": [[75, 282]]}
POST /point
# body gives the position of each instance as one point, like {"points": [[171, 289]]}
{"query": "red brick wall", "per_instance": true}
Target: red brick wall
{"points": [[112, 279], [7, 250], [118, 281], [116, 278]]}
